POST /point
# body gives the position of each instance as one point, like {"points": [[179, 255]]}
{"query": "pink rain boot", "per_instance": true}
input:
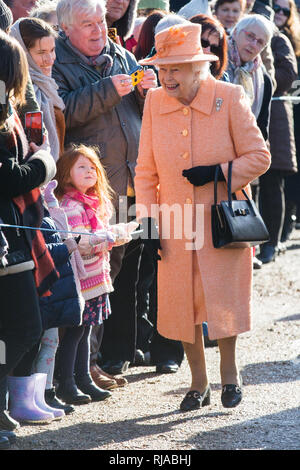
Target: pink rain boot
{"points": [[39, 396], [22, 404]]}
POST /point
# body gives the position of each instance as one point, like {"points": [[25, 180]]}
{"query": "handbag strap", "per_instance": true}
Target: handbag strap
{"points": [[230, 194]]}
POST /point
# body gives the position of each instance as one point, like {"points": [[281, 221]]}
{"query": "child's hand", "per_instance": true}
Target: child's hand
{"points": [[100, 237], [48, 194], [88, 243], [123, 232]]}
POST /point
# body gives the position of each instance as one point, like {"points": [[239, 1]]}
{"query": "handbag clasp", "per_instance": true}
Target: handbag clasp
{"points": [[241, 212]]}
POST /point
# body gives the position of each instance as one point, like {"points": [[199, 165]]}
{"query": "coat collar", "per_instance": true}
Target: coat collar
{"points": [[203, 101]]}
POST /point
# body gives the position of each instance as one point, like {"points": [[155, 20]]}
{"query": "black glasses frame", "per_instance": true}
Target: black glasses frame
{"points": [[278, 8]]}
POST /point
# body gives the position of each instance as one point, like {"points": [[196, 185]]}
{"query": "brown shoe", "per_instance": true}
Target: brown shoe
{"points": [[101, 380], [121, 381]]}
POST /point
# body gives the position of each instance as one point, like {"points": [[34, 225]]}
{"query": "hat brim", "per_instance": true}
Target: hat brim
{"points": [[179, 59]]}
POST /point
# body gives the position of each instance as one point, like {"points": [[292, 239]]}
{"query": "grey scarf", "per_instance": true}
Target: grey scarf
{"points": [[103, 61]]}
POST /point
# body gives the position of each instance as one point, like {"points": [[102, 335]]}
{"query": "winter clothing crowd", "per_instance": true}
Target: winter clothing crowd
{"points": [[83, 296]]}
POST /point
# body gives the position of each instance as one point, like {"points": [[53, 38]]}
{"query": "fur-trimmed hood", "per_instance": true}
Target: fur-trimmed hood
{"points": [[125, 24]]}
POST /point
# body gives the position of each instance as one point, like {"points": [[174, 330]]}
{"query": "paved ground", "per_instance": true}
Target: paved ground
{"points": [[145, 414]]}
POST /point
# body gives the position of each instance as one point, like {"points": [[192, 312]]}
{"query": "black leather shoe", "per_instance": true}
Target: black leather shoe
{"points": [[115, 367], [257, 264], [139, 358], [11, 436], [167, 367], [52, 401], [267, 253], [231, 395], [87, 386], [68, 392], [4, 443], [194, 400], [7, 423]]}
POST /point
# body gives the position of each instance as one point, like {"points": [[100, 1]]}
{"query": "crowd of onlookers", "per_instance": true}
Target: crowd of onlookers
{"points": [[77, 310]]}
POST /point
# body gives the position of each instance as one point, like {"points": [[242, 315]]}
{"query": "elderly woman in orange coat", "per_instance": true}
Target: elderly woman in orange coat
{"points": [[191, 124]]}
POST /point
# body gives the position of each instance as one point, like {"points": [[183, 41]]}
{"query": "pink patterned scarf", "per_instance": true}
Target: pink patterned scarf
{"points": [[90, 203]]}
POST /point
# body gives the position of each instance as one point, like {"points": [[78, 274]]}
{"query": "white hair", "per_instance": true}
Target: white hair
{"points": [[254, 20], [44, 9], [168, 21], [203, 67], [67, 9]]}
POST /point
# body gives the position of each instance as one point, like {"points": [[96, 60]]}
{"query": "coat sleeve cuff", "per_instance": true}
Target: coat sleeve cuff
{"points": [[49, 164]]}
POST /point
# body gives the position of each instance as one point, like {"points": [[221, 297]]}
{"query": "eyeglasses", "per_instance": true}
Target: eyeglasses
{"points": [[278, 9], [213, 49], [252, 38]]}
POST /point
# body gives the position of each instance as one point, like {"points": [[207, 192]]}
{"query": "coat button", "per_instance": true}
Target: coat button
{"points": [[185, 132], [188, 201], [185, 155], [185, 111]]}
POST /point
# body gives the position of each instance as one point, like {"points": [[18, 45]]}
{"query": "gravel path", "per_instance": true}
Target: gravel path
{"points": [[145, 415]]}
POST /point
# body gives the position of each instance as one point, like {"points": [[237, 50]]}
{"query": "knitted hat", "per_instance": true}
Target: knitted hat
{"points": [[155, 4], [6, 17], [179, 44], [264, 8]]}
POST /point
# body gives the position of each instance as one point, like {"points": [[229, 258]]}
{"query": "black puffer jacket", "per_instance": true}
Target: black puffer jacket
{"points": [[282, 141], [18, 177]]}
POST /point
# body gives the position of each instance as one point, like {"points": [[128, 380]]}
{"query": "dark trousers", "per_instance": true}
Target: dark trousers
{"points": [[272, 203], [20, 324], [20, 319], [161, 349], [120, 330], [74, 352]]}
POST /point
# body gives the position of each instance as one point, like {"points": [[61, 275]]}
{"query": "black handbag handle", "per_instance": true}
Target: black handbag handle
{"points": [[230, 195]]}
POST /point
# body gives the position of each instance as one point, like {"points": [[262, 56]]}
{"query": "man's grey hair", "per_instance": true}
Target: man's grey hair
{"points": [[67, 9], [44, 9], [168, 21], [254, 20]]}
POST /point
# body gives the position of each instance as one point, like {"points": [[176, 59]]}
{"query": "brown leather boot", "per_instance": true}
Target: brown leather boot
{"points": [[121, 381], [101, 380]]}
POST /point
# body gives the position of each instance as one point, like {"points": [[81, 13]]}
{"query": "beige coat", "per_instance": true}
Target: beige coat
{"points": [[217, 127]]}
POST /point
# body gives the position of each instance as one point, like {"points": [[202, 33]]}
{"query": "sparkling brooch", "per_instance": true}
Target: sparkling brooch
{"points": [[219, 102]]}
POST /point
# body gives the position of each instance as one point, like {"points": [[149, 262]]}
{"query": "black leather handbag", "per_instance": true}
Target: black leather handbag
{"points": [[236, 223]]}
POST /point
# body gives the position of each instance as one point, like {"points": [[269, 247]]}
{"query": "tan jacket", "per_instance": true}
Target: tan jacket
{"points": [[217, 127]]}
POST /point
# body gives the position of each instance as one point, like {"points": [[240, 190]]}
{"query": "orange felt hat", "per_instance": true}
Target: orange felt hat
{"points": [[179, 44]]}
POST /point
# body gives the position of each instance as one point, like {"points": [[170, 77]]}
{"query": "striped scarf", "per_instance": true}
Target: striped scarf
{"points": [[31, 210]]}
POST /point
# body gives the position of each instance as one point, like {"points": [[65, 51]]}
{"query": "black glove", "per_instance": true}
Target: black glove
{"points": [[200, 175], [150, 237]]}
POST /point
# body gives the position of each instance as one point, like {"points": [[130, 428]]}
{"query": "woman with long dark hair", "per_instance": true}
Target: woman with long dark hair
{"points": [[37, 39], [28, 270], [213, 40], [146, 37]]}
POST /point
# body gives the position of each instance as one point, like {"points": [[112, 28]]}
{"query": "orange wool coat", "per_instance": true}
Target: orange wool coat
{"points": [[217, 127]]}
